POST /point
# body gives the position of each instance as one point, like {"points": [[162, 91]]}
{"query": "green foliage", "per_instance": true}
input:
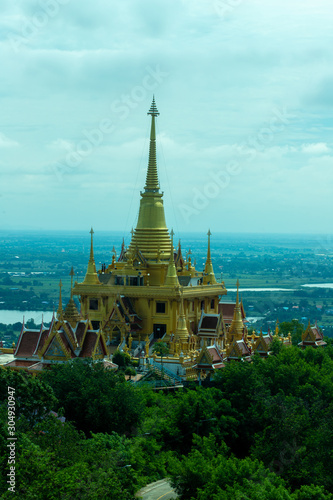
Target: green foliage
{"points": [[161, 349], [95, 399], [83, 469], [312, 493], [294, 327], [122, 359], [263, 432], [130, 371], [34, 398], [174, 420], [276, 346], [208, 473]]}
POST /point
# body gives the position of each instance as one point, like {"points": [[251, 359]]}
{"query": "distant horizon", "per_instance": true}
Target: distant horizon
{"points": [[121, 232]]}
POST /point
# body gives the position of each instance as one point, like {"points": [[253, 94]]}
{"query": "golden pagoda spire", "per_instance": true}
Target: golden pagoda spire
{"points": [[181, 330], [171, 278], [91, 274], [237, 326], [151, 232], [60, 313], [152, 184], [209, 271]]}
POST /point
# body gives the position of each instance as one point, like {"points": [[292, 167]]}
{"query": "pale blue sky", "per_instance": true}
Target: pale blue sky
{"points": [[244, 89]]}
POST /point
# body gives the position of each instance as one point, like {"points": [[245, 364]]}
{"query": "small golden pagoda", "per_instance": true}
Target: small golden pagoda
{"points": [[151, 291], [237, 330]]}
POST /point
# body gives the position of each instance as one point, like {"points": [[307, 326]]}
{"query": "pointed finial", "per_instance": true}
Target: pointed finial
{"points": [[153, 109], [182, 330], [237, 297], [209, 272], [208, 251], [171, 277], [91, 275], [152, 184], [91, 244]]}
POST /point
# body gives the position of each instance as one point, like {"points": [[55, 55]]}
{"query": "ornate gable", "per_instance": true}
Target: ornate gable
{"points": [[308, 335], [55, 349], [234, 350], [261, 344], [138, 259], [205, 358], [261, 347], [100, 349]]}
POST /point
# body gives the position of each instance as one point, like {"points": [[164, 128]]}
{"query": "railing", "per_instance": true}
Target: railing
{"points": [[167, 372], [122, 344], [139, 348]]}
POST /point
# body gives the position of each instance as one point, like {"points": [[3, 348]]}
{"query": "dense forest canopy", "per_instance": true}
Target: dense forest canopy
{"points": [[258, 430]]}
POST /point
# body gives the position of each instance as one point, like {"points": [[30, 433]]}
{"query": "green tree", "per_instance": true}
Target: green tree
{"points": [[122, 359], [294, 327], [208, 473], [161, 349], [95, 399], [312, 493], [34, 398], [130, 371]]}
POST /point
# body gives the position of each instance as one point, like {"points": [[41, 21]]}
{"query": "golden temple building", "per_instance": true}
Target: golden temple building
{"points": [[151, 291]]}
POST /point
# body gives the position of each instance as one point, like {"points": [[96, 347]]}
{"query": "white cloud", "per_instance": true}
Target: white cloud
{"points": [[6, 142], [226, 75], [61, 144], [316, 149]]}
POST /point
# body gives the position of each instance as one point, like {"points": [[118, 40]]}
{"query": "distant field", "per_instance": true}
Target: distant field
{"points": [[258, 261]]}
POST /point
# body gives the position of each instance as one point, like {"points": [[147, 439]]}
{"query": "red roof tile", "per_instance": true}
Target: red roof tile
{"points": [[227, 310], [243, 347], [214, 353], [67, 344], [80, 331], [27, 344], [88, 344]]}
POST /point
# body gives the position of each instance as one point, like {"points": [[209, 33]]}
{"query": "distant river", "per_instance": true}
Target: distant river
{"points": [[320, 285], [262, 289], [10, 317]]}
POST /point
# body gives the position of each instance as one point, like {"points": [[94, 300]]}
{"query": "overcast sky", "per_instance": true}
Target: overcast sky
{"points": [[245, 94]]}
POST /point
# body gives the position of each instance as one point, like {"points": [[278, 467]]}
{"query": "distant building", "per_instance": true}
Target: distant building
{"points": [[63, 340], [312, 336]]}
